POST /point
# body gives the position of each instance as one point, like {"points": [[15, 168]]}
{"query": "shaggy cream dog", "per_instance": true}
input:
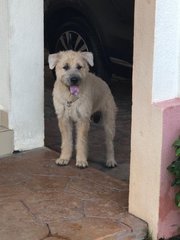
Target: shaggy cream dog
{"points": [[78, 94]]}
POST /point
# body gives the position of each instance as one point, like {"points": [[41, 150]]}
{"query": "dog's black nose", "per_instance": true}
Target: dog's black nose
{"points": [[74, 80]]}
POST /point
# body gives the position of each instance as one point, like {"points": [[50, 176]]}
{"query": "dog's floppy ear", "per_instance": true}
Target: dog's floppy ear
{"points": [[88, 56], [52, 60]]}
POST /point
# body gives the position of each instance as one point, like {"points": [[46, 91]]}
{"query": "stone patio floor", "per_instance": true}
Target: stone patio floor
{"points": [[41, 201]]}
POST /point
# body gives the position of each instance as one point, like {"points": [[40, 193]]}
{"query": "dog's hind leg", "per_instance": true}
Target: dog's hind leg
{"points": [[81, 145], [109, 127], [66, 141]]}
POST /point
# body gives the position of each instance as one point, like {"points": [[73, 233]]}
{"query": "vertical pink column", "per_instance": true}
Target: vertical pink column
{"points": [[169, 214]]}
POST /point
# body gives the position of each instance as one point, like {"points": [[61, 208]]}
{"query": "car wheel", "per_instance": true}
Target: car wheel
{"points": [[76, 34]]}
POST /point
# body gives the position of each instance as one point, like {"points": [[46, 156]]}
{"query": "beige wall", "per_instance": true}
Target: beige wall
{"points": [[144, 174], [149, 75]]}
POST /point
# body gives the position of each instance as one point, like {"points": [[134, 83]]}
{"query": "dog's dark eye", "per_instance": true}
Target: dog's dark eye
{"points": [[66, 67], [79, 67]]}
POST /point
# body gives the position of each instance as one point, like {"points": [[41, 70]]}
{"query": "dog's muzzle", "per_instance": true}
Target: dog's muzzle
{"points": [[74, 80]]}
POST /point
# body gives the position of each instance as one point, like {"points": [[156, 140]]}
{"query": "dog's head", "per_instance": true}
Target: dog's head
{"points": [[71, 67]]}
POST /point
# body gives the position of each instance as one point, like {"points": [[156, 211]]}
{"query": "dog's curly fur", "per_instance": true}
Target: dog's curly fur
{"points": [[72, 68]]}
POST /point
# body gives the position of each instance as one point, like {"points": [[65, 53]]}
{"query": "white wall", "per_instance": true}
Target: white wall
{"points": [[4, 63], [166, 79], [23, 75]]}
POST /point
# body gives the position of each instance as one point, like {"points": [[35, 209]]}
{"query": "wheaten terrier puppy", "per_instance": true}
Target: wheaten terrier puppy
{"points": [[77, 94]]}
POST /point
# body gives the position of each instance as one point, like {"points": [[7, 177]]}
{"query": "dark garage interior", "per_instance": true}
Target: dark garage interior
{"points": [[65, 28]]}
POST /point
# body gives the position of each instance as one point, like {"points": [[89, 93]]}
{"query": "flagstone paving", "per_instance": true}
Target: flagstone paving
{"points": [[41, 201]]}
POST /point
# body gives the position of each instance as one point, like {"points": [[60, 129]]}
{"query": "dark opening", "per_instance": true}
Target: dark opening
{"points": [[106, 29]]}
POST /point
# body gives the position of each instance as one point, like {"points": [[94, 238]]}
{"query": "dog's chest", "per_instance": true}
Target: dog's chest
{"points": [[72, 110], [72, 107]]}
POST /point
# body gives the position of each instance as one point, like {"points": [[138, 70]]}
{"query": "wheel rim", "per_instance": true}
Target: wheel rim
{"points": [[71, 40]]}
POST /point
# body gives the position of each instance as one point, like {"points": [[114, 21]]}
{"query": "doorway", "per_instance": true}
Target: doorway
{"points": [[60, 29]]}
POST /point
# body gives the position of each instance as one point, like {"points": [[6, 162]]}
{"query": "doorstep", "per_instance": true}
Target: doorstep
{"points": [[6, 141], [41, 201]]}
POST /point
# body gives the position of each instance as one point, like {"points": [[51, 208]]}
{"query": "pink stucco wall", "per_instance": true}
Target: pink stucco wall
{"points": [[169, 214]]}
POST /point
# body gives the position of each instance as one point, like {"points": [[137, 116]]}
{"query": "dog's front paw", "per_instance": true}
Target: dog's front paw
{"points": [[81, 163], [62, 162], [111, 163]]}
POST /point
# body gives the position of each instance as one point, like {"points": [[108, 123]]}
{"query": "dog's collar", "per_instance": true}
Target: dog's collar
{"points": [[71, 100]]}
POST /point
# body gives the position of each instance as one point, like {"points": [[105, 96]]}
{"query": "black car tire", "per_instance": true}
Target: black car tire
{"points": [[79, 26]]}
